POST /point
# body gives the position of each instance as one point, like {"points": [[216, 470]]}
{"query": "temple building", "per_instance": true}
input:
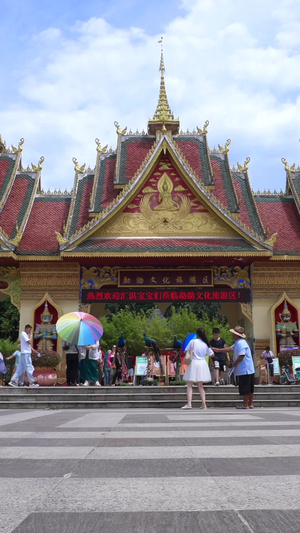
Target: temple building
{"points": [[163, 218]]}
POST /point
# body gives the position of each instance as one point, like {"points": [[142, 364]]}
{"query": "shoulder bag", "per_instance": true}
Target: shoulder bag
{"points": [[189, 355]]}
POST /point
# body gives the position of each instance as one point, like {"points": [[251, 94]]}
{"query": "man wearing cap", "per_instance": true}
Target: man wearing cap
{"points": [[243, 367]]}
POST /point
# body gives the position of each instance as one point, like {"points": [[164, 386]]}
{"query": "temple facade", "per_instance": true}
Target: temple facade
{"points": [[163, 218]]}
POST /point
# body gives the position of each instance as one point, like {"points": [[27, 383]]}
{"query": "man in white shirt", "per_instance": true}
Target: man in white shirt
{"points": [[25, 364]]}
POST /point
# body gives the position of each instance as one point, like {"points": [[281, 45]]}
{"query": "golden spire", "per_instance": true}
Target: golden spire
{"points": [[163, 115]]}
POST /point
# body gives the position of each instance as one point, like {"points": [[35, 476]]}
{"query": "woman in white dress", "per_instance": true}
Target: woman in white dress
{"points": [[198, 370]]}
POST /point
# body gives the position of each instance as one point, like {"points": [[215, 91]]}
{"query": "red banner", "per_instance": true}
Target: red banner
{"points": [[172, 295]]}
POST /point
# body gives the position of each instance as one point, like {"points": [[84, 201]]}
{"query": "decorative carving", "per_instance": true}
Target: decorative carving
{"points": [[61, 280], [204, 131], [226, 149], [247, 310], [20, 147], [12, 276], [287, 168], [119, 131], [95, 277], [77, 168], [236, 277], [99, 149], [245, 167], [18, 236], [271, 241], [39, 167], [61, 240]]}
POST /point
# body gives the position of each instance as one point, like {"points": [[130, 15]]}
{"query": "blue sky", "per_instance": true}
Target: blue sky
{"points": [[70, 69]]}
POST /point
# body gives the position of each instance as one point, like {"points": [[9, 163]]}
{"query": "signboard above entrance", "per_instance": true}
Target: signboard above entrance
{"points": [[172, 295], [196, 277]]}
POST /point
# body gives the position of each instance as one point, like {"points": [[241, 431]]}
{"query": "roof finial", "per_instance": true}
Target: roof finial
{"points": [[163, 114]]}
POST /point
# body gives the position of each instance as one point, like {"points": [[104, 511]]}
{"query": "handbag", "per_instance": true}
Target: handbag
{"points": [[189, 355]]}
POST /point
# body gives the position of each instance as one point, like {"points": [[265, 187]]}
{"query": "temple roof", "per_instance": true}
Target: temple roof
{"points": [[159, 193]]}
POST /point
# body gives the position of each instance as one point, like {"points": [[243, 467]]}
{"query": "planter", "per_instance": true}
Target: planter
{"points": [[44, 376]]}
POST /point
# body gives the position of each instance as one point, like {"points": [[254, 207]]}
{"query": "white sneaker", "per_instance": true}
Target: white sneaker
{"points": [[98, 384], [34, 385], [217, 383], [186, 407], [13, 384], [86, 384]]}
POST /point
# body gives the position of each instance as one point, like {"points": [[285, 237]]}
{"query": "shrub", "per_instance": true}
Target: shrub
{"points": [[48, 358]]}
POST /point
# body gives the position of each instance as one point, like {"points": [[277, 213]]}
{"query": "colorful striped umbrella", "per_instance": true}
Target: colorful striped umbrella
{"points": [[79, 328]]}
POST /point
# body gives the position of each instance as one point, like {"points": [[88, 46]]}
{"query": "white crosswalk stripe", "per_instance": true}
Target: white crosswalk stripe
{"points": [[153, 471]]}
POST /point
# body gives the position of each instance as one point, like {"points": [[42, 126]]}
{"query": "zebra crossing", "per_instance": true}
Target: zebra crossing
{"points": [[150, 471]]}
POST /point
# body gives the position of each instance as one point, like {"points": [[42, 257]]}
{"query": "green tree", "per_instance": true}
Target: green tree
{"points": [[9, 320]]}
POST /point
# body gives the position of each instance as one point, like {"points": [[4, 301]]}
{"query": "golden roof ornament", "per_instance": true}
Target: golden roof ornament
{"points": [[77, 168], [119, 131], [39, 167], [287, 168], [271, 241], [245, 167], [163, 115], [226, 149], [20, 147], [204, 131], [99, 149]]}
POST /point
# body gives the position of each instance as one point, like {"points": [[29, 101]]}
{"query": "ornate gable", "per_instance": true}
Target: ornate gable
{"points": [[165, 206]]}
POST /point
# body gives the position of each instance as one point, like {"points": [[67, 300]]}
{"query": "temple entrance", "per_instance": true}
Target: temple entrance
{"points": [[162, 305]]}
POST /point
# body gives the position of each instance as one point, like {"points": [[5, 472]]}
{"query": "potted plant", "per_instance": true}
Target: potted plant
{"points": [[45, 367]]}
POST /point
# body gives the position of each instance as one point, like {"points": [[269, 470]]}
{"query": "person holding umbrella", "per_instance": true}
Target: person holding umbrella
{"points": [[89, 365], [77, 329]]}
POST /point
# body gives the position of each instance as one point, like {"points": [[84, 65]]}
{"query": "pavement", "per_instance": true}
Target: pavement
{"points": [[150, 471]]}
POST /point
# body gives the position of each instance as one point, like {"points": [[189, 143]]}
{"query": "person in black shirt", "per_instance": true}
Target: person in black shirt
{"points": [[220, 358]]}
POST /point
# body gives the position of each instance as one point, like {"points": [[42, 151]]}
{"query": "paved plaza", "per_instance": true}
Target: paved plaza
{"points": [[150, 471]]}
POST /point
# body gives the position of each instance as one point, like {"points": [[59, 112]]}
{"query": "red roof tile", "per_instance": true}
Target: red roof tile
{"points": [[109, 193], [136, 152], [280, 215], [16, 204], [190, 150], [47, 216]]}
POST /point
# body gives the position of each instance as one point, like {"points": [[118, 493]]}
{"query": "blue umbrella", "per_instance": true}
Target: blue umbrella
{"points": [[187, 339]]}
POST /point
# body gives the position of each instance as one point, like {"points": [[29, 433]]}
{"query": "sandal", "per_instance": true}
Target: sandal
{"points": [[240, 407], [186, 407]]}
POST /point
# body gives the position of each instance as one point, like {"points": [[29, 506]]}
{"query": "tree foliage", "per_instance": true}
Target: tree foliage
{"points": [[9, 320], [179, 322]]}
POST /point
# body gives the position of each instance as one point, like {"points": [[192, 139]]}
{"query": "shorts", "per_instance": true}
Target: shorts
{"points": [[220, 365], [246, 384]]}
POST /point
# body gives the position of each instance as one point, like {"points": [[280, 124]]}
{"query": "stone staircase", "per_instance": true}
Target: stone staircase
{"points": [[141, 397]]}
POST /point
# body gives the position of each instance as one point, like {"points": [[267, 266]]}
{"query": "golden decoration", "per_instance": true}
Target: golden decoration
{"points": [[39, 167], [226, 149], [245, 167], [18, 236], [246, 309], [271, 241], [77, 168], [20, 146], [119, 131], [99, 149], [94, 277], [61, 240], [204, 131], [287, 168]]}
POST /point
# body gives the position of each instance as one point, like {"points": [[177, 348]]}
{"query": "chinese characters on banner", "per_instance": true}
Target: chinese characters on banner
{"points": [[165, 278], [172, 295]]}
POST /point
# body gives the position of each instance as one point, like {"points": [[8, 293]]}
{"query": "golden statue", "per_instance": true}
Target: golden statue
{"points": [[46, 331], [166, 202], [286, 330]]}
